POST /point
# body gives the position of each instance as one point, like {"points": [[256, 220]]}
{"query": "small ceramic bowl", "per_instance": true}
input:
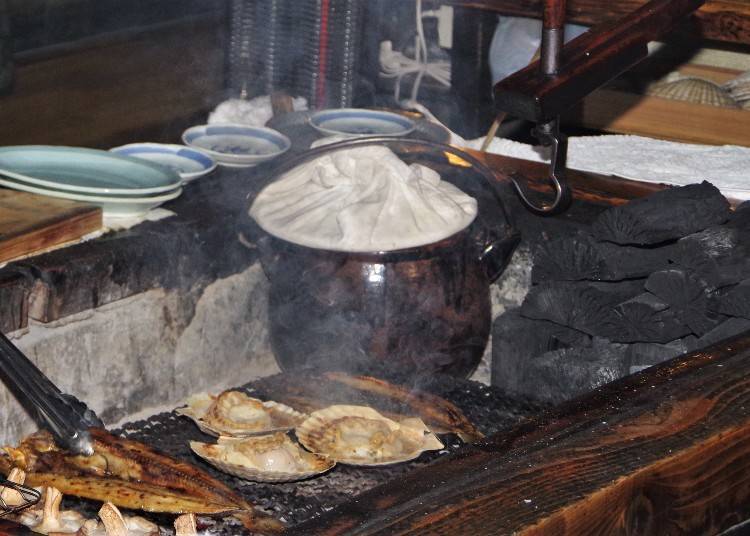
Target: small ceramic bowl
{"points": [[189, 163], [357, 122], [237, 145]]}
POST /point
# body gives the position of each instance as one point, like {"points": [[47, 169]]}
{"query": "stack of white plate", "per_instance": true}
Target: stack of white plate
{"points": [[123, 186]]}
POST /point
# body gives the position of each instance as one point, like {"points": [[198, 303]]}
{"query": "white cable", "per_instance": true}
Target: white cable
{"points": [[397, 65]]}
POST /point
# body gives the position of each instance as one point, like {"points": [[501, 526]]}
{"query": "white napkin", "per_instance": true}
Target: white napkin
{"points": [[120, 224], [362, 199], [254, 112]]}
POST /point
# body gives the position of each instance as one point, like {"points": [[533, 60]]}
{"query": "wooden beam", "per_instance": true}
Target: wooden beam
{"points": [[721, 20], [666, 451], [588, 62], [590, 187]]}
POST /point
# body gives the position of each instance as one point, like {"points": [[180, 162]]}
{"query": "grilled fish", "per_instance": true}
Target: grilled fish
{"points": [[314, 391], [434, 410], [129, 474]]}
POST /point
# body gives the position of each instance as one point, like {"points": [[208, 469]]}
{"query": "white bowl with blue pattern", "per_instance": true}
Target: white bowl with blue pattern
{"points": [[360, 122], [237, 145], [187, 162]]}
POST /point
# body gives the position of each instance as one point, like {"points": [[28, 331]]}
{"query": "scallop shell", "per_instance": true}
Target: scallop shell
{"points": [[234, 414], [739, 89], [246, 458], [359, 435], [695, 90], [740, 81]]}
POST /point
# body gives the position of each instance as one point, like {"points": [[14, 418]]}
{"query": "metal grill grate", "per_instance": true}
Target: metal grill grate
{"points": [[487, 407]]}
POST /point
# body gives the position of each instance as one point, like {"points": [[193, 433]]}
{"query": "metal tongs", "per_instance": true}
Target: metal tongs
{"points": [[64, 415]]}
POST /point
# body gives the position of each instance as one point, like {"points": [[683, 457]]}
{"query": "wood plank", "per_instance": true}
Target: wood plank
{"points": [[586, 186], [617, 111], [665, 451], [32, 223], [722, 20]]}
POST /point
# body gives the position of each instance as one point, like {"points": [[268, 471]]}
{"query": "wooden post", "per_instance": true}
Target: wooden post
{"points": [[666, 451]]}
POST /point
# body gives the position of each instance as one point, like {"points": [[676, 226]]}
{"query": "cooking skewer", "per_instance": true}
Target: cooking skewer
{"points": [[62, 414]]}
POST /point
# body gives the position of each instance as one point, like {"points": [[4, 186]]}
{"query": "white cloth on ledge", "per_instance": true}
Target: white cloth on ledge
{"points": [[646, 159], [120, 224], [254, 112]]}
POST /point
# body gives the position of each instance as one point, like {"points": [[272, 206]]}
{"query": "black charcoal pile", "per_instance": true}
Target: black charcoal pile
{"points": [[647, 281]]}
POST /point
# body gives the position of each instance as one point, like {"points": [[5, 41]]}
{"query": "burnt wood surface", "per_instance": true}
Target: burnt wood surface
{"points": [[665, 451], [198, 245], [588, 62], [721, 20], [202, 242]]}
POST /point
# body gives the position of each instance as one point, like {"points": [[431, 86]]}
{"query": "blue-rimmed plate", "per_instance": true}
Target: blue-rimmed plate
{"points": [[189, 163], [87, 171], [361, 122], [237, 145], [113, 206]]}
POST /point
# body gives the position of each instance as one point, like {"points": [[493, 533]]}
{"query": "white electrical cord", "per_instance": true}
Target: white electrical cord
{"points": [[396, 64]]}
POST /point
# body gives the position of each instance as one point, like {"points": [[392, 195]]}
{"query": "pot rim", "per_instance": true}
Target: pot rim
{"points": [[411, 253]]}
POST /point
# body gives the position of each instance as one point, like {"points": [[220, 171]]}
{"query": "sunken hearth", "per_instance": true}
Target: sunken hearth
{"points": [[645, 282], [488, 408]]}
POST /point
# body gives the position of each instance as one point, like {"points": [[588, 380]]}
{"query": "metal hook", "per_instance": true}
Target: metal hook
{"points": [[549, 135]]}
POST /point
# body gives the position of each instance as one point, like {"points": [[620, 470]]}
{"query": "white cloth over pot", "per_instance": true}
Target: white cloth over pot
{"points": [[362, 199]]}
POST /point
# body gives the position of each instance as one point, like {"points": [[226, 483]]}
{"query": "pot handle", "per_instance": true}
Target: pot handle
{"points": [[269, 258], [495, 254]]}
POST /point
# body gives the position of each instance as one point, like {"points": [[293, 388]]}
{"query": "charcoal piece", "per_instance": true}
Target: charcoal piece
{"points": [[733, 301], [728, 328], [569, 258], [515, 340], [720, 255], [716, 273], [740, 218], [581, 257], [718, 241], [643, 355], [663, 216], [687, 296], [562, 374], [644, 318], [628, 262], [581, 306]]}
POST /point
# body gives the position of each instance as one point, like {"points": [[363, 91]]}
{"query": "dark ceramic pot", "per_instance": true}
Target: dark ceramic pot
{"points": [[420, 310]]}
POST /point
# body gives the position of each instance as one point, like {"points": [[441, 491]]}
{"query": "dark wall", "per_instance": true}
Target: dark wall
{"points": [[41, 23]]}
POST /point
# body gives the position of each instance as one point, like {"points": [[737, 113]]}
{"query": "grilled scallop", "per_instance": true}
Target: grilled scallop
{"points": [[271, 458], [234, 414], [359, 435]]}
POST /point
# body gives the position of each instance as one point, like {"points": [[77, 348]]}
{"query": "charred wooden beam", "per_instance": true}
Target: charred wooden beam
{"points": [[721, 20], [665, 451], [14, 294], [589, 187]]}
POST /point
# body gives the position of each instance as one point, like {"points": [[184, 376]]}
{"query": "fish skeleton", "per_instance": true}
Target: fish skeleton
{"points": [[132, 475]]}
